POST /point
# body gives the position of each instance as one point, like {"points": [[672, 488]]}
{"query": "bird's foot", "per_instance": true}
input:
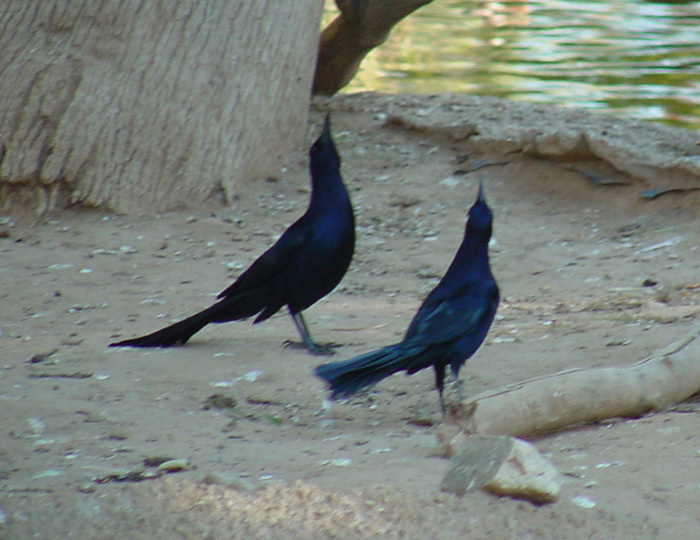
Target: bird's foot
{"points": [[317, 349], [459, 386]]}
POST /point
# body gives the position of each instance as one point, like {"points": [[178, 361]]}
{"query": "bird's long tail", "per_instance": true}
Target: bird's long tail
{"points": [[348, 376], [175, 334]]}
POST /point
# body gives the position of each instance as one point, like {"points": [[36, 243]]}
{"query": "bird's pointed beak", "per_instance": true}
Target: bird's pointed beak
{"points": [[326, 132], [480, 197]]}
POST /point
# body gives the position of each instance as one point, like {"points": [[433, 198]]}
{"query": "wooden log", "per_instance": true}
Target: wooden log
{"points": [[580, 395]]}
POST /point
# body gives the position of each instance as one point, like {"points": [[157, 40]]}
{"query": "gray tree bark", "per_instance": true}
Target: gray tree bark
{"points": [[149, 105]]}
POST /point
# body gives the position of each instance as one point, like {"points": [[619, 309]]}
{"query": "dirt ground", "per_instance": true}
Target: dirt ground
{"points": [[591, 275]]}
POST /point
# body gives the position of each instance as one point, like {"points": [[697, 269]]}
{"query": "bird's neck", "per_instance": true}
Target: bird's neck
{"points": [[328, 192], [472, 256]]}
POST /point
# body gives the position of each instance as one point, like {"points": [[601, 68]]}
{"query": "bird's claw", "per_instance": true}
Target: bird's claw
{"points": [[317, 349]]}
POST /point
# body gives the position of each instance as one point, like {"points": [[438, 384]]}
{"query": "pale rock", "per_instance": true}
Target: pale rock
{"points": [[502, 465], [526, 474]]}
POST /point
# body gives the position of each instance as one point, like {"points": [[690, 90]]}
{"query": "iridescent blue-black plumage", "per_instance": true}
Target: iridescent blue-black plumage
{"points": [[304, 265], [448, 328]]}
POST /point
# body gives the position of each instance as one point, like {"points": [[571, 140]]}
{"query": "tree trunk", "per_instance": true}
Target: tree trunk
{"points": [[148, 106]]}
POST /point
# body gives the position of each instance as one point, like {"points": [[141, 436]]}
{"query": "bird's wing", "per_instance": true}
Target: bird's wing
{"points": [[274, 261], [445, 317]]}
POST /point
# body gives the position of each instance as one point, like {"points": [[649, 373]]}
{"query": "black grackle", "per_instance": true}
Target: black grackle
{"points": [[448, 328], [303, 266]]}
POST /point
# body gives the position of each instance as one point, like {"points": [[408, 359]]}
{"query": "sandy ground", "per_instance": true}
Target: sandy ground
{"points": [[591, 275]]}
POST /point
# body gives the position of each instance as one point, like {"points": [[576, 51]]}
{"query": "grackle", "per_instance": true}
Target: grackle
{"points": [[303, 266], [448, 328]]}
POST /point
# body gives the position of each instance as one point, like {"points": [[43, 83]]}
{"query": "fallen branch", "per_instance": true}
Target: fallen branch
{"points": [[581, 395]]}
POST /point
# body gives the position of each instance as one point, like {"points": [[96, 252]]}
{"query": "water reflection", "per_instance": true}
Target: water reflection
{"points": [[637, 57]]}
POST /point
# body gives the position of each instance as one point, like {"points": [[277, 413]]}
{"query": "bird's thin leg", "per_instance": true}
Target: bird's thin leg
{"points": [[459, 387], [440, 385], [307, 340]]}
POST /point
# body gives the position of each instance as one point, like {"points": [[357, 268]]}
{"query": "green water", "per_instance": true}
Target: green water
{"points": [[637, 58]]}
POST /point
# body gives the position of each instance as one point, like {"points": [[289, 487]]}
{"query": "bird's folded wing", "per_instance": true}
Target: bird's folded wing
{"points": [[447, 317], [274, 261]]}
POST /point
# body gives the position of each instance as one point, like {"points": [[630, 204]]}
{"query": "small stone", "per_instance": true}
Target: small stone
{"points": [[174, 465], [476, 462], [219, 401], [41, 356], [526, 474], [583, 501], [87, 487], [502, 465], [36, 425], [339, 462], [156, 461]]}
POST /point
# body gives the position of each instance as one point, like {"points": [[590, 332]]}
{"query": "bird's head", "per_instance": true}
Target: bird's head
{"points": [[323, 154], [480, 220]]}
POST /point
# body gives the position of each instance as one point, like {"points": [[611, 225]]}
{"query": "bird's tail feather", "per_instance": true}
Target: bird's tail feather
{"points": [[348, 376], [175, 334]]}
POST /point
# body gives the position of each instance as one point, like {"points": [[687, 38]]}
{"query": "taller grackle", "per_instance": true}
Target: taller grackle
{"points": [[303, 266], [448, 328]]}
